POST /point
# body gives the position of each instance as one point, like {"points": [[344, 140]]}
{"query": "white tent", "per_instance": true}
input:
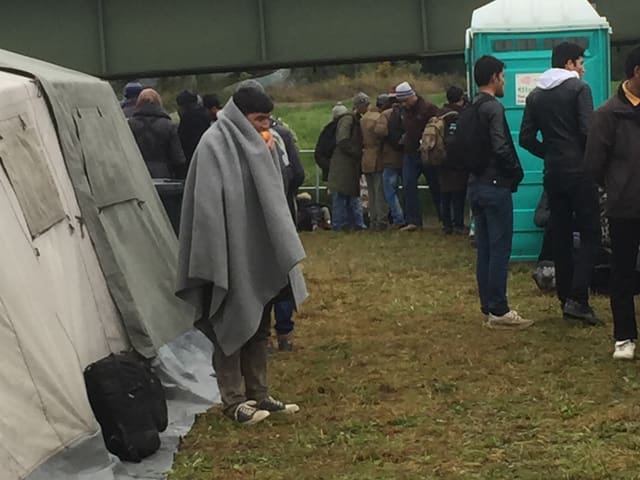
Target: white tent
{"points": [[87, 253], [56, 313]]}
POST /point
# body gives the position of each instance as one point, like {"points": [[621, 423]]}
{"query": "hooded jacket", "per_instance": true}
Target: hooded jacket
{"points": [[157, 139], [560, 108]]}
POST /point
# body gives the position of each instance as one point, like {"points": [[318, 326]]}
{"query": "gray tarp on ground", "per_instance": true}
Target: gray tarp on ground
{"points": [[133, 238]]}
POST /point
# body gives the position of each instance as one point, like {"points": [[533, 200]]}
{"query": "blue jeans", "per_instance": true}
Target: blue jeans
{"points": [[283, 311], [411, 170], [391, 178], [347, 212], [492, 209]]}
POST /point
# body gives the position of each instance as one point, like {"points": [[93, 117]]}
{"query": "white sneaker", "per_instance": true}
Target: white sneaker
{"points": [[624, 350], [246, 413], [509, 321]]}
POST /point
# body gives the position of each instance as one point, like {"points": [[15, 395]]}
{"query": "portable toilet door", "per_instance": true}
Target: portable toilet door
{"points": [[522, 34]]}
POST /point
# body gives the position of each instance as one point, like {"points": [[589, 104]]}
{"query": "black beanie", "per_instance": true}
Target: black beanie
{"points": [[251, 100]]}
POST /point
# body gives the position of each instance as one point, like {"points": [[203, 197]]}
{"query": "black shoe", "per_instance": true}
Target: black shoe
{"points": [[272, 405], [447, 230], [579, 311]]}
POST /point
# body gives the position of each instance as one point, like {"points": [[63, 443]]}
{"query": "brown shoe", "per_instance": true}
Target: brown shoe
{"points": [[409, 228], [285, 342]]}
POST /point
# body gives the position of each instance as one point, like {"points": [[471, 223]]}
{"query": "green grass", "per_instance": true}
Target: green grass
{"points": [[397, 379]]}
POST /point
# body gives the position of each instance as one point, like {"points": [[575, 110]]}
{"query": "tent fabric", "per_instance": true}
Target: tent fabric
{"points": [[536, 15], [131, 234], [56, 312], [30, 178]]}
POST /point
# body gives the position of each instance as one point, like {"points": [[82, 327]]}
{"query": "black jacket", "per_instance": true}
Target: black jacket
{"points": [[562, 115], [504, 168], [613, 155], [194, 121], [157, 139]]}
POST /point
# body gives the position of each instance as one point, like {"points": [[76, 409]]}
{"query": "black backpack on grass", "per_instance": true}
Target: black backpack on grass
{"points": [[128, 401]]}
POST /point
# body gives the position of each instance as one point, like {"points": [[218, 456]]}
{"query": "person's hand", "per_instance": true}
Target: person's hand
{"points": [[268, 138]]}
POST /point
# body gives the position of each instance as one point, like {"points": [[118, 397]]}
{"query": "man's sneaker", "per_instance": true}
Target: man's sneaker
{"points": [[509, 321], [579, 311], [409, 228], [246, 413], [272, 405], [624, 350]]}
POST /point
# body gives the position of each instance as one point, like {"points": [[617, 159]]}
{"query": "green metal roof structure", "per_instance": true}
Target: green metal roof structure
{"points": [[126, 38]]}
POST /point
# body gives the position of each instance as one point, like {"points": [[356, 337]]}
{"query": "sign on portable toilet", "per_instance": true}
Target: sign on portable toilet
{"points": [[522, 34]]}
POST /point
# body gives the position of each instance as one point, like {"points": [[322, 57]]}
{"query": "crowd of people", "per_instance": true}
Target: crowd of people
{"points": [[383, 142], [239, 249]]}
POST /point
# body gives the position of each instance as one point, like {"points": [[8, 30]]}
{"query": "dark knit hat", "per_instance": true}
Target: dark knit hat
{"points": [[211, 100], [186, 98], [250, 100], [132, 89]]}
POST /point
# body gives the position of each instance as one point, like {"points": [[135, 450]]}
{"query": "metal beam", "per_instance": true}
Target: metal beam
{"points": [[123, 38]]}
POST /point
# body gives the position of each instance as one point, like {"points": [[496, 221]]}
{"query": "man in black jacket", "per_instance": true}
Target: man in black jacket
{"points": [[613, 159], [490, 196], [560, 108], [194, 121]]}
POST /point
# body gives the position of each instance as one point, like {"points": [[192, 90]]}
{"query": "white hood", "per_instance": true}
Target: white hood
{"points": [[554, 77]]}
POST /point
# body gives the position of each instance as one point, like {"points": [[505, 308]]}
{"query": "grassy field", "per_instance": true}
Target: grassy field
{"points": [[398, 379]]}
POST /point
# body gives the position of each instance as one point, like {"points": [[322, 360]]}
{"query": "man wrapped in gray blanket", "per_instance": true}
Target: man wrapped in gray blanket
{"points": [[239, 251]]}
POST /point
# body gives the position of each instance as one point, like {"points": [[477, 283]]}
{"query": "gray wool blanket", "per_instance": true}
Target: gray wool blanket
{"points": [[239, 247]]}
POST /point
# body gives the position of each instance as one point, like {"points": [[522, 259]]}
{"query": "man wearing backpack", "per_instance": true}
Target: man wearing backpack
{"points": [[560, 108], [344, 168], [613, 159], [496, 174], [417, 112], [453, 179]]}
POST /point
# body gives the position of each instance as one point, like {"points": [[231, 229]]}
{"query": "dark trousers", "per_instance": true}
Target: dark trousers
{"points": [[546, 251], [242, 375], [625, 239], [452, 208], [283, 311], [492, 209], [574, 205], [412, 169]]}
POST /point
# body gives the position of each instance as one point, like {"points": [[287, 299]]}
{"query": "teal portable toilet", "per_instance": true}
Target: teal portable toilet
{"points": [[522, 34]]}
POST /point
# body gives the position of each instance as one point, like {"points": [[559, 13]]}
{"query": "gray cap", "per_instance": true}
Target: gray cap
{"points": [[338, 109], [360, 99]]}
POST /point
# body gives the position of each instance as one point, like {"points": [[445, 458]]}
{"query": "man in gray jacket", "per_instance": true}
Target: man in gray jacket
{"points": [[560, 108], [613, 159]]}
